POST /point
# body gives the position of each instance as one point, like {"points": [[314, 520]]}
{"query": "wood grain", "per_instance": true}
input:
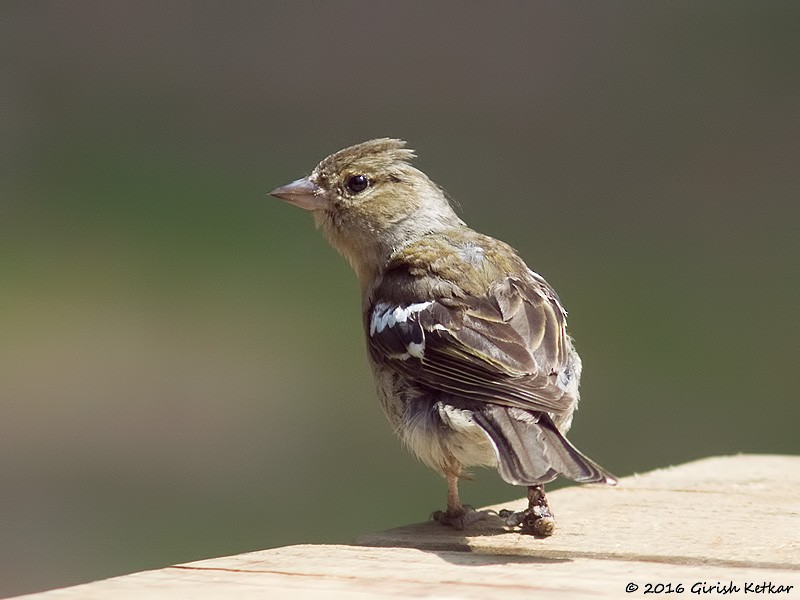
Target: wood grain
{"points": [[725, 520]]}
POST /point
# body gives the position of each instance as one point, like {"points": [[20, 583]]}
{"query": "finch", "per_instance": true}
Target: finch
{"points": [[468, 346]]}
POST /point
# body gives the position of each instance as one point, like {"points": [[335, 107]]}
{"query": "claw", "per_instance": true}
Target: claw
{"points": [[536, 520], [530, 521], [540, 527], [513, 519], [460, 519]]}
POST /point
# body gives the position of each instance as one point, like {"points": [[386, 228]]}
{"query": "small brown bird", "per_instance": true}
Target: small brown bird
{"points": [[468, 346]]}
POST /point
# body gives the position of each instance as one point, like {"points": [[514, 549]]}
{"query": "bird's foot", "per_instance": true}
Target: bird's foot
{"points": [[461, 518], [537, 520]]}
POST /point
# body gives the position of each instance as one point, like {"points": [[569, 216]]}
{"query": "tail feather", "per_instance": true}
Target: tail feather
{"points": [[532, 451]]}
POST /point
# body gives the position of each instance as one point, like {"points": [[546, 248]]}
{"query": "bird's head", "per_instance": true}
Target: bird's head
{"points": [[369, 201]]}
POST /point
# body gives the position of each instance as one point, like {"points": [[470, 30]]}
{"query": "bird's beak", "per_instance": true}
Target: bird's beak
{"points": [[303, 193]]}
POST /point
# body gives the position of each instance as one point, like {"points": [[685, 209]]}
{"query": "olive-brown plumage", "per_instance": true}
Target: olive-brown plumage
{"points": [[468, 346]]}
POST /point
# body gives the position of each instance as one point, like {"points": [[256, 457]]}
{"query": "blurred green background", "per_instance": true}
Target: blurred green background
{"points": [[182, 371]]}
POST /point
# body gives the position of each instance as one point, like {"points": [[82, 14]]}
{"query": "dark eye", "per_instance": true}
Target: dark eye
{"points": [[356, 183]]}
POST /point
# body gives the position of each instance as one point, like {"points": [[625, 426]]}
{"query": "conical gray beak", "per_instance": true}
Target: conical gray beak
{"points": [[303, 193]]}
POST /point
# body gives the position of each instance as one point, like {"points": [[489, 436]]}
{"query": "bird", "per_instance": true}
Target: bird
{"points": [[468, 346]]}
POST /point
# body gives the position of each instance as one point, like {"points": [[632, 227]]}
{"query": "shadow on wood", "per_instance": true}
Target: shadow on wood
{"points": [[714, 521]]}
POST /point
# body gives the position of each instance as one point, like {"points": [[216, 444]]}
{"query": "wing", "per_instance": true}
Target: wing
{"points": [[509, 347]]}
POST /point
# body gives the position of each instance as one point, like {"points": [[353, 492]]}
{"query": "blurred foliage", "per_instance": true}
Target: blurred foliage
{"points": [[182, 371]]}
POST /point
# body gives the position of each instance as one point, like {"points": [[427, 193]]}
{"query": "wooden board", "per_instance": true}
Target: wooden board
{"points": [[727, 511], [727, 521]]}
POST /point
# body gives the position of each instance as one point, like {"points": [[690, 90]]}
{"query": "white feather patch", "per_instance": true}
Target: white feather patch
{"points": [[417, 350], [384, 315]]}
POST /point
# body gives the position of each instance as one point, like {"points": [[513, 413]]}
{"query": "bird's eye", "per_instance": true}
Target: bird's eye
{"points": [[356, 184]]}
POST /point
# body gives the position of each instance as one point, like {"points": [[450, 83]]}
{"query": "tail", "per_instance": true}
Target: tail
{"points": [[531, 450]]}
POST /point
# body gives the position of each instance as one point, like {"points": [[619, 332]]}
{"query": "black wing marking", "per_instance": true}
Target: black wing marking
{"points": [[509, 347]]}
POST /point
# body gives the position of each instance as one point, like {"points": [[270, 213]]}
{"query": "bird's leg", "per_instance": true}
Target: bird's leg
{"points": [[535, 520], [453, 501], [457, 515]]}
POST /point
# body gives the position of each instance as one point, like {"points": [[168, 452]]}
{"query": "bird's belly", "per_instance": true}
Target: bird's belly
{"points": [[442, 436], [446, 438]]}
